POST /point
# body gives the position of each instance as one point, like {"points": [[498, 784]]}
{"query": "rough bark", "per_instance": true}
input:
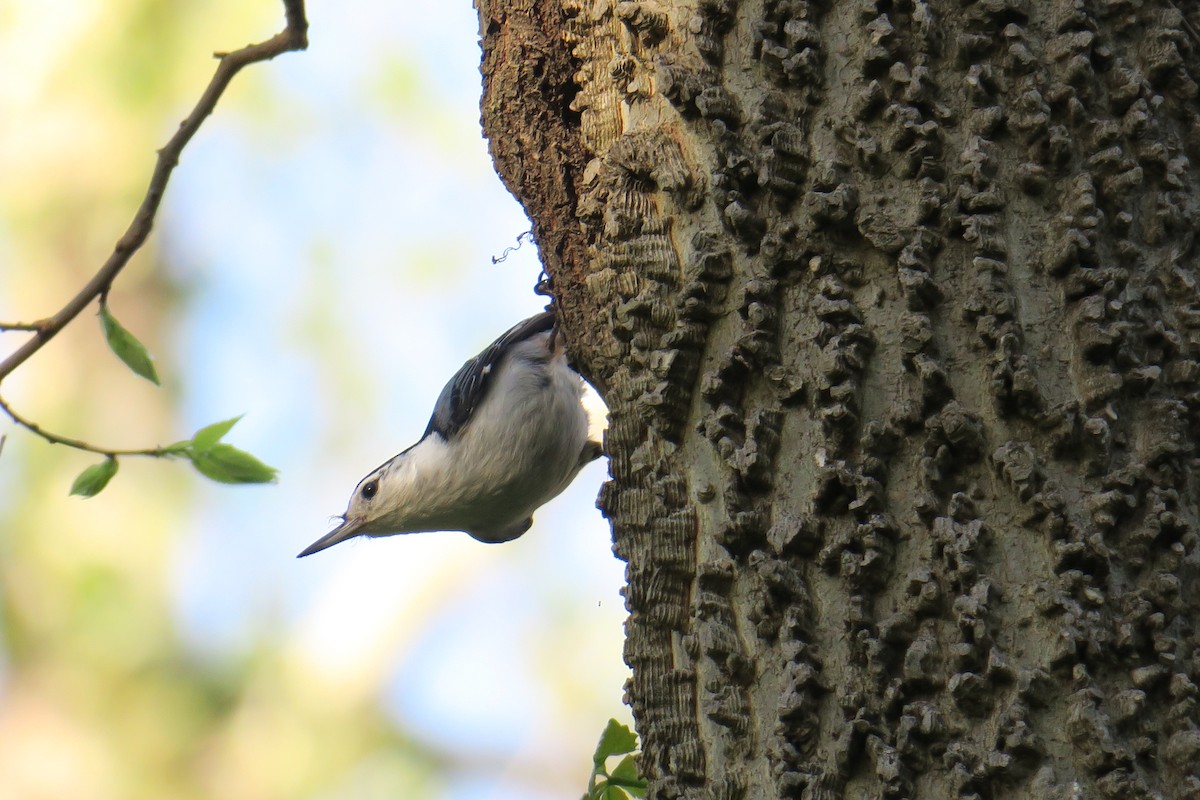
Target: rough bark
{"points": [[895, 307]]}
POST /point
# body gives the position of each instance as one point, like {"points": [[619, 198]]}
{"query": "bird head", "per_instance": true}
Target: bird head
{"points": [[394, 498], [361, 517]]}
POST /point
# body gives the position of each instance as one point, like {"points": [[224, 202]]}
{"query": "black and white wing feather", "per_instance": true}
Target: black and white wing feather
{"points": [[466, 390]]}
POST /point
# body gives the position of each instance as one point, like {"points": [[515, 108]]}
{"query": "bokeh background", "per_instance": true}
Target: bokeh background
{"points": [[322, 263]]}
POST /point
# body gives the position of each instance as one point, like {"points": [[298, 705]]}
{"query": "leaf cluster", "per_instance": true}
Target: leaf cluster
{"points": [[622, 781], [210, 456]]}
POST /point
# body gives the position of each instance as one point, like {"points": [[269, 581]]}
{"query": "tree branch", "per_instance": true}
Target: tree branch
{"points": [[293, 37], [79, 444]]}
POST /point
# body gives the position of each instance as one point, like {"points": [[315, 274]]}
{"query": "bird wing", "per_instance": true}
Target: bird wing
{"points": [[466, 390]]}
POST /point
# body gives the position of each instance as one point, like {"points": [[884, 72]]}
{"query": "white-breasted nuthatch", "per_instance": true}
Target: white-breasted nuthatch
{"points": [[508, 433]]}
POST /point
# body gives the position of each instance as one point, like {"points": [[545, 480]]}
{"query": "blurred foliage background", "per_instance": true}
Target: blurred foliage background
{"points": [[322, 263]]}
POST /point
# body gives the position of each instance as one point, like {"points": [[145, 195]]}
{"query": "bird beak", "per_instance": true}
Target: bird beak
{"points": [[350, 527]]}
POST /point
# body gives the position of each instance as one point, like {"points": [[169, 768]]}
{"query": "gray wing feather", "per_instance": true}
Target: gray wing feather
{"points": [[469, 386]]}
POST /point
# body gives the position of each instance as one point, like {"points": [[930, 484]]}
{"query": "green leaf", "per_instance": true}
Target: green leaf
{"points": [[209, 435], [616, 740], [224, 463], [93, 479], [626, 776], [126, 346], [613, 793]]}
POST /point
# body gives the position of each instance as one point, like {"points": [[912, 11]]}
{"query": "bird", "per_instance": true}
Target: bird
{"points": [[508, 433]]}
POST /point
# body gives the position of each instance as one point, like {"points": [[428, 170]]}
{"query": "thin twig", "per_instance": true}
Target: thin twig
{"points": [[508, 251], [22, 326], [292, 37], [79, 444]]}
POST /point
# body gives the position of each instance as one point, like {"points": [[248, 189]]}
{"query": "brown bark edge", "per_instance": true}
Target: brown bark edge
{"points": [[533, 136]]}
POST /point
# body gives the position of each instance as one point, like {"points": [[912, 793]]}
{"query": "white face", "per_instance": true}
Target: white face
{"points": [[360, 513], [363, 506]]}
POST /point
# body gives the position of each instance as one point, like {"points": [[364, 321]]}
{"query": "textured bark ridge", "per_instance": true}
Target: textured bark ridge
{"points": [[895, 307]]}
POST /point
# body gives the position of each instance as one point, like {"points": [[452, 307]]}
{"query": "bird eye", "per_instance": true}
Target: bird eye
{"points": [[369, 489]]}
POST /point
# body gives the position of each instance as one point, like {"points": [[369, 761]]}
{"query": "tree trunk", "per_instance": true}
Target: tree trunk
{"points": [[895, 307]]}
